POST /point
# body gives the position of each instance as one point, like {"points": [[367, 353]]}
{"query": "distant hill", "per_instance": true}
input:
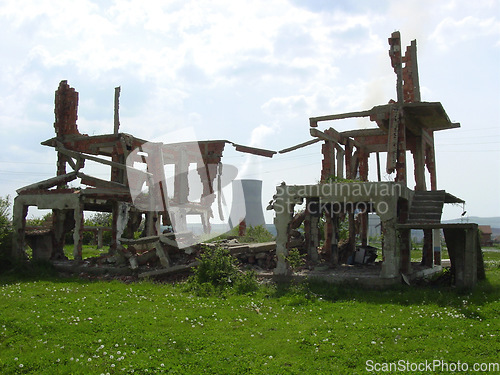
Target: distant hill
{"points": [[493, 222]]}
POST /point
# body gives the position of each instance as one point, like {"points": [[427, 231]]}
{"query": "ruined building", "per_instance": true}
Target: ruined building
{"points": [[136, 189], [407, 124]]}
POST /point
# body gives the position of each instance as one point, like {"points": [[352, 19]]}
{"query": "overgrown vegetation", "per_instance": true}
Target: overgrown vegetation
{"points": [[57, 326], [295, 259], [5, 233], [218, 271], [254, 234]]}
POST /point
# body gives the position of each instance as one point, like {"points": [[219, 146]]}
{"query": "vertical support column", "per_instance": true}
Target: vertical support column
{"points": [[208, 173], [404, 238], [405, 249], [436, 242], [78, 232], [328, 162], [122, 219], [58, 219], [352, 230], [462, 246], [158, 195], [363, 174], [340, 163], [419, 163], [430, 162], [391, 261], [427, 249], [116, 119], [328, 233], [397, 63], [348, 159], [311, 230], [66, 114], [379, 176], [401, 155], [99, 237], [19, 212], [283, 216], [335, 239]]}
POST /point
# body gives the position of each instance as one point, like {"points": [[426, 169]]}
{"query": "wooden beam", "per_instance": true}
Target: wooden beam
{"points": [[50, 182], [304, 144], [363, 133], [117, 111], [313, 121], [75, 154], [254, 150], [332, 137], [97, 182], [336, 137]]}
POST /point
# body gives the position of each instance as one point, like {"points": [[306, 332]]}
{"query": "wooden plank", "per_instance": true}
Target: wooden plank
{"points": [[313, 121], [139, 241], [163, 255], [254, 151], [304, 144], [116, 121], [75, 154], [48, 183], [325, 137], [97, 182], [363, 132], [167, 271]]}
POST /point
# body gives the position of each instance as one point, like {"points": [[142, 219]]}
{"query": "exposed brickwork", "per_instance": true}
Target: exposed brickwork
{"points": [[66, 110]]}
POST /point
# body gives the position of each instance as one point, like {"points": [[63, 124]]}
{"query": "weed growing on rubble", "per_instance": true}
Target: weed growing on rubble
{"points": [[218, 271]]}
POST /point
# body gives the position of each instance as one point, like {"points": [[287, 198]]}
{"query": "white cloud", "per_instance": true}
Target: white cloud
{"points": [[451, 31]]}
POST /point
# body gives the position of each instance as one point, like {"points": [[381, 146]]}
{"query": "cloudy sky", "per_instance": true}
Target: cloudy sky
{"points": [[252, 72]]}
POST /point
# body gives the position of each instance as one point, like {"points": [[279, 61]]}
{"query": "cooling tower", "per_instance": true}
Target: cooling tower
{"points": [[247, 203]]}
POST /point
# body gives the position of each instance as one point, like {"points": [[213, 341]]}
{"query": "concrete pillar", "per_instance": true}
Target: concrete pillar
{"points": [[283, 216], [327, 245], [404, 238], [391, 258], [419, 163], [78, 232], [18, 225], [462, 247], [99, 237], [405, 250], [122, 219], [311, 230], [436, 246], [58, 219], [427, 248], [352, 230], [335, 239]]}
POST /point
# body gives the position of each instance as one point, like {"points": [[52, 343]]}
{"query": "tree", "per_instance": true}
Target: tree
{"points": [[5, 232]]}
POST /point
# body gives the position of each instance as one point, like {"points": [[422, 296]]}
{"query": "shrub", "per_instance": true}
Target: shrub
{"points": [[295, 259], [218, 271], [5, 233], [216, 267], [246, 282], [258, 234]]}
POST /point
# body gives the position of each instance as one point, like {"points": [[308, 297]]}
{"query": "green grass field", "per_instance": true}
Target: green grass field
{"points": [[70, 326]]}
